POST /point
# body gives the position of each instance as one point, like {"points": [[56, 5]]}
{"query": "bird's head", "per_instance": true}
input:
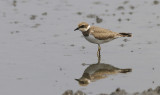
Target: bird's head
{"points": [[83, 26], [83, 81]]}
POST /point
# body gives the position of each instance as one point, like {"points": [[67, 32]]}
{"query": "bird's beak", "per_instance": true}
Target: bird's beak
{"points": [[76, 29], [77, 80]]}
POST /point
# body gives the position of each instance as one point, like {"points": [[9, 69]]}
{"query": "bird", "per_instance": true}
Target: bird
{"points": [[98, 35], [96, 72]]}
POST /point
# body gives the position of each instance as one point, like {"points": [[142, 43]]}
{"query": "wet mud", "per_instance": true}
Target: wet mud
{"points": [[119, 91]]}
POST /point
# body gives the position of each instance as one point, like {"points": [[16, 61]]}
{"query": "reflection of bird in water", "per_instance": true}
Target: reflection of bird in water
{"points": [[99, 71]]}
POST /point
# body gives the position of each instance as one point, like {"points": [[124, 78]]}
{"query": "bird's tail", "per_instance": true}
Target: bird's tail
{"points": [[126, 34], [125, 70]]}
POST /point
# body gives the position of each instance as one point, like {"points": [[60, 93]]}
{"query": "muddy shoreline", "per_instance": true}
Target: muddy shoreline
{"points": [[118, 91]]}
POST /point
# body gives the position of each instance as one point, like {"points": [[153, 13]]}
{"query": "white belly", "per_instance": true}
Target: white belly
{"points": [[92, 39]]}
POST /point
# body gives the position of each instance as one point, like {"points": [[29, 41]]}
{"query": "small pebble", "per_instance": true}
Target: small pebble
{"points": [[125, 2], [132, 7], [119, 19], [125, 40], [98, 20], [79, 93], [72, 45], [44, 14], [122, 45], [120, 8], [83, 47], [33, 17], [79, 13], [68, 92], [155, 2], [14, 3], [130, 13]]}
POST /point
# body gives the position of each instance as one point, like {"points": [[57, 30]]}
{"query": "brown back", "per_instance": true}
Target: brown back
{"points": [[101, 33]]}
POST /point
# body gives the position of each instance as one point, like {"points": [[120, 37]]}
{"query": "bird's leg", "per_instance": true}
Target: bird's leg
{"points": [[99, 60], [99, 49], [99, 53]]}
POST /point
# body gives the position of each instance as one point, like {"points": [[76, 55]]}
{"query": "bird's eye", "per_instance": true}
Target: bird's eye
{"points": [[82, 26]]}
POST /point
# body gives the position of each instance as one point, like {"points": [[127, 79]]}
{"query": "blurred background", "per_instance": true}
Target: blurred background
{"points": [[41, 54]]}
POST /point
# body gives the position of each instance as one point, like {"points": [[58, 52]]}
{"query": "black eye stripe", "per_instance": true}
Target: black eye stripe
{"points": [[82, 26]]}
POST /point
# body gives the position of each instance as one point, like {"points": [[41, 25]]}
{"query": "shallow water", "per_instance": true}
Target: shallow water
{"points": [[41, 54]]}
